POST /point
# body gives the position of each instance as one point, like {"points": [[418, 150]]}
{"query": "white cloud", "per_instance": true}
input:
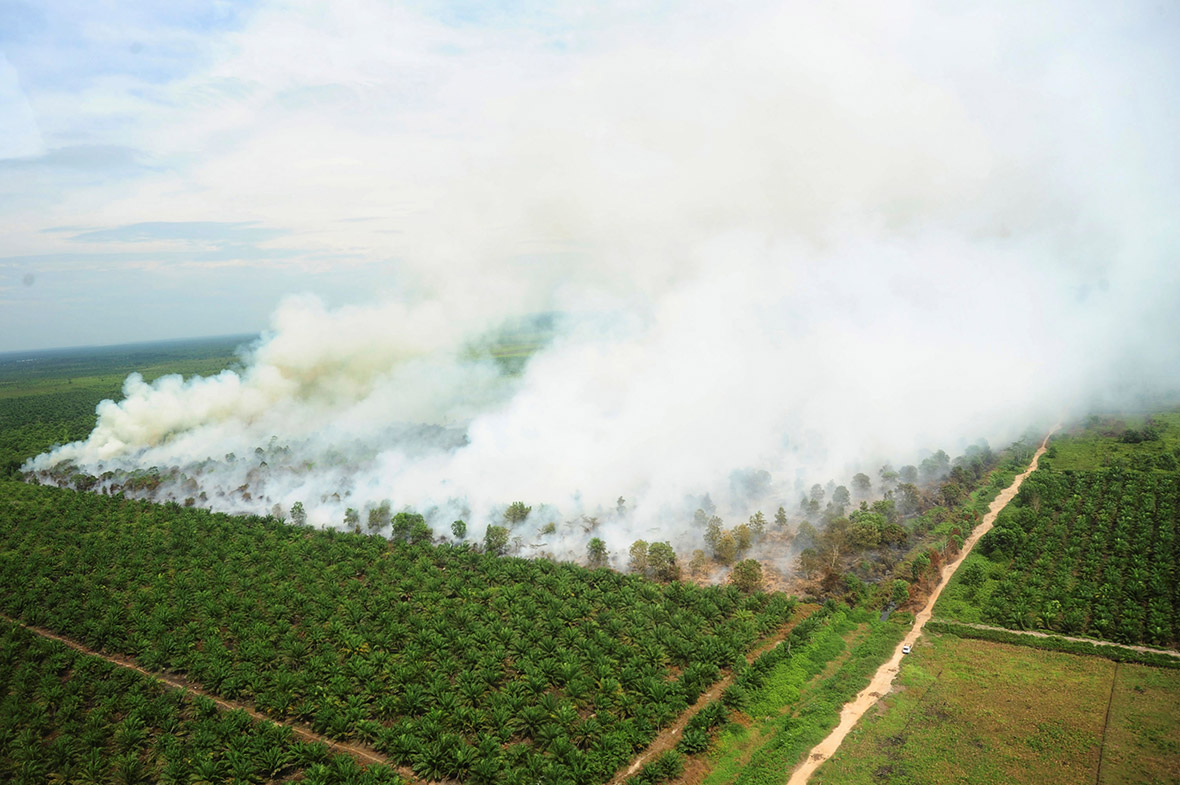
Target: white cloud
{"points": [[19, 134]]}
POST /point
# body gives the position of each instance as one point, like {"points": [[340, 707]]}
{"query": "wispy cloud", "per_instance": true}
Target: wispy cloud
{"points": [[86, 158], [214, 233]]}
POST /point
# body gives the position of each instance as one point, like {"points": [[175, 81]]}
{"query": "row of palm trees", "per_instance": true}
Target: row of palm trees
{"points": [[70, 718], [1094, 553], [575, 669]]}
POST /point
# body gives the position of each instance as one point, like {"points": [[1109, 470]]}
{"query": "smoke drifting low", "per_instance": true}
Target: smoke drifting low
{"points": [[793, 243]]}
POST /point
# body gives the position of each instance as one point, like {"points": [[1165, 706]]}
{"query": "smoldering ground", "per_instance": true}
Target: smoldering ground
{"points": [[799, 241]]}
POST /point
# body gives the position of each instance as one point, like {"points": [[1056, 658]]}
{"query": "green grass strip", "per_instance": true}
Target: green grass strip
{"points": [[819, 711], [1054, 643], [816, 705]]}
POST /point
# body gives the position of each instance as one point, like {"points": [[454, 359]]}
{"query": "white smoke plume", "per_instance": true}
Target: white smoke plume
{"points": [[804, 241]]}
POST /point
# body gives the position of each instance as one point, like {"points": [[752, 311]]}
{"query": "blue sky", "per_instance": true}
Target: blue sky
{"points": [[176, 169], [125, 213]]}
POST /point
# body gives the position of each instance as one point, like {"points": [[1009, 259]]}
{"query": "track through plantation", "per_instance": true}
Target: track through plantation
{"points": [[358, 753], [1092, 641], [667, 738], [883, 679], [457, 664]]}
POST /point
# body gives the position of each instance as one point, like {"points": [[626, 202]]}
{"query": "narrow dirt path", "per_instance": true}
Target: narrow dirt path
{"points": [[762, 730], [668, 737], [1043, 634], [360, 754], [883, 679]]}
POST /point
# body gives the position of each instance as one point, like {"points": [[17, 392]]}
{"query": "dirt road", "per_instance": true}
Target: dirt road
{"points": [[883, 679], [358, 753], [1050, 634]]}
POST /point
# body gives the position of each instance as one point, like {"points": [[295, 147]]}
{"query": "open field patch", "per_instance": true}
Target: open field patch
{"points": [[1143, 736], [973, 711], [1137, 441]]}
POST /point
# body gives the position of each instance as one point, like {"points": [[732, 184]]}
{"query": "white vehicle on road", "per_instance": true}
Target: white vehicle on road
{"points": [[905, 649]]}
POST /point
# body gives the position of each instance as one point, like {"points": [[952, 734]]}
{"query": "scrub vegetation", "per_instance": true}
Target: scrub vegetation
{"points": [[891, 550]]}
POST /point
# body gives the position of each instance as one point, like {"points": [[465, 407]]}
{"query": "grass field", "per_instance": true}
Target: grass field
{"points": [[979, 712], [105, 367], [1143, 737], [1104, 441]]}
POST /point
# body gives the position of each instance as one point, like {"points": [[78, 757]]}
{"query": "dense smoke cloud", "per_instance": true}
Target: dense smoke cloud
{"points": [[804, 242]]}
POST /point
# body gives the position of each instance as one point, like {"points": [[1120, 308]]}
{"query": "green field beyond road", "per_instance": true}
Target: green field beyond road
{"points": [[979, 712]]}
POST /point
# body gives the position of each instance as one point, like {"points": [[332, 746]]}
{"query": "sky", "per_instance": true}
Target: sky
{"points": [[793, 238], [176, 169], [172, 170]]}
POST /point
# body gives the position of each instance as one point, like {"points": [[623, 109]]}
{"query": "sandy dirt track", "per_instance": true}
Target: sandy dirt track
{"points": [[883, 679], [1051, 634]]}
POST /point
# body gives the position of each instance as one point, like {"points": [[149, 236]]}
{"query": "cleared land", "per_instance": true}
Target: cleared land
{"points": [[1143, 735], [973, 711]]}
